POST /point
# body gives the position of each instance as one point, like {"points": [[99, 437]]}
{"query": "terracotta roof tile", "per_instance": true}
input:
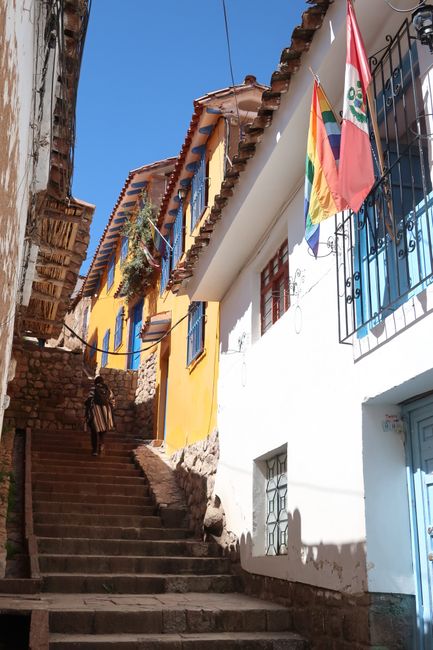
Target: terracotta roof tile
{"points": [[290, 62]]}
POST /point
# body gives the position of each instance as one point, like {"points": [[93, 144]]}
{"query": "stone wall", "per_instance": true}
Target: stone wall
{"points": [[331, 620], [6, 447], [145, 397], [195, 468], [76, 321], [48, 390], [123, 383], [134, 391]]}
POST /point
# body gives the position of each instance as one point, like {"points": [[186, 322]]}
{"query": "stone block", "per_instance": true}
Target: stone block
{"points": [[278, 620], [356, 626], [174, 621]]}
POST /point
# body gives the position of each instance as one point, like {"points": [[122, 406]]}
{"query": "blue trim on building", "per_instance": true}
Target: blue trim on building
{"points": [[195, 337], [118, 330], [106, 347]]}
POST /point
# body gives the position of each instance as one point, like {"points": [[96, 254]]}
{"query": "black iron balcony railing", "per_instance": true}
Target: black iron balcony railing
{"points": [[384, 252]]}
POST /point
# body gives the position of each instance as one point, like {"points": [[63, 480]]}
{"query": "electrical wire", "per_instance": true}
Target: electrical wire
{"points": [[230, 63], [126, 354], [404, 11]]}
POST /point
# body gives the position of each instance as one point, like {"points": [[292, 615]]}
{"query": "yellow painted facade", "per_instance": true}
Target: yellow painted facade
{"points": [[186, 392], [187, 395], [103, 312]]}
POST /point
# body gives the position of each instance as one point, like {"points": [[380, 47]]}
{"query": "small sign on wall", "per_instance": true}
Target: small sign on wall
{"points": [[394, 423]]}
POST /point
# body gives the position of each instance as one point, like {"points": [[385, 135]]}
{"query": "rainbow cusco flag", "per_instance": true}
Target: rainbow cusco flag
{"points": [[322, 198]]}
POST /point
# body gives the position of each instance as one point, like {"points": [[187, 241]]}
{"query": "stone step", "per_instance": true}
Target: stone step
{"points": [[204, 641], [72, 487], [139, 565], [76, 546], [88, 463], [79, 434], [137, 584], [109, 532], [45, 477], [83, 519], [102, 499], [79, 446], [90, 469], [94, 508], [79, 454], [249, 615]]}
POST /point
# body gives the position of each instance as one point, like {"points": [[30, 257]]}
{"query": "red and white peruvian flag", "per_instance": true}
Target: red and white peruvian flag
{"points": [[356, 163]]}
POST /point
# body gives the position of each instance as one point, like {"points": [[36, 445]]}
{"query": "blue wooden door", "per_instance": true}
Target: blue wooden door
{"points": [[420, 416], [134, 336]]}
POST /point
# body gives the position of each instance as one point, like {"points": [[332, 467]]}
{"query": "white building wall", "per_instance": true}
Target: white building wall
{"points": [[297, 385], [21, 58]]}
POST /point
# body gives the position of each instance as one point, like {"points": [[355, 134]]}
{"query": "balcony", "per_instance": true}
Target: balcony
{"points": [[384, 252]]}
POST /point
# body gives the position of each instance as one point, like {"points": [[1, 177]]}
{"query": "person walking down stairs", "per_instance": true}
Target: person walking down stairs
{"points": [[99, 414]]}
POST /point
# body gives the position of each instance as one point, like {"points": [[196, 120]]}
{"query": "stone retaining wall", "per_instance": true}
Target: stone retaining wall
{"points": [[135, 392], [48, 390], [145, 396], [6, 448], [195, 468], [123, 383], [331, 620]]}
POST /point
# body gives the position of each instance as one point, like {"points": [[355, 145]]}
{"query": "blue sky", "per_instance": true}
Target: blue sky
{"points": [[144, 63]]}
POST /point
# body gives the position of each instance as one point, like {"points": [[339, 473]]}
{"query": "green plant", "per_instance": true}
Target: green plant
{"points": [[137, 271]]}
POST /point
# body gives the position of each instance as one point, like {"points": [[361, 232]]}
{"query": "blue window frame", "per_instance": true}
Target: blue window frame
{"points": [[195, 338], [124, 249], [198, 192], [165, 270], [110, 275], [92, 349], [105, 347], [177, 251], [118, 330]]}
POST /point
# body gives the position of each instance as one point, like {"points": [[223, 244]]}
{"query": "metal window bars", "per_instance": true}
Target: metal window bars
{"points": [[177, 251], [276, 505], [195, 338], [198, 192], [384, 252]]}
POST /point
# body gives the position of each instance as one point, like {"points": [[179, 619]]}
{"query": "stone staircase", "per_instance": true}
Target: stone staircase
{"points": [[116, 577]]}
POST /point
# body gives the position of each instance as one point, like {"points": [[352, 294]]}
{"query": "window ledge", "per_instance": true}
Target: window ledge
{"points": [[196, 361]]}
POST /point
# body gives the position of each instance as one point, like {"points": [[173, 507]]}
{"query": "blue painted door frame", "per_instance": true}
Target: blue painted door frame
{"points": [[134, 335], [419, 449]]}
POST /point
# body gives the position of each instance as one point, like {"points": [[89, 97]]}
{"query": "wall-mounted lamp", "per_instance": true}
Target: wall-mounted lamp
{"points": [[422, 20], [296, 281], [182, 192]]}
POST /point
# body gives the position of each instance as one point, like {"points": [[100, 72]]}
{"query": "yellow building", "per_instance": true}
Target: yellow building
{"points": [[182, 336], [114, 324], [187, 368]]}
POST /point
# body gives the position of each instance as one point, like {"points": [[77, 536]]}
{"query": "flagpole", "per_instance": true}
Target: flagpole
{"points": [[373, 118], [159, 233]]}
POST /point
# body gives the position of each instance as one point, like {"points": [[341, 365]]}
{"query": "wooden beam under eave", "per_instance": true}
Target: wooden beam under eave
{"points": [[55, 282], [42, 321], [60, 216], [46, 249], [46, 297], [55, 266]]}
